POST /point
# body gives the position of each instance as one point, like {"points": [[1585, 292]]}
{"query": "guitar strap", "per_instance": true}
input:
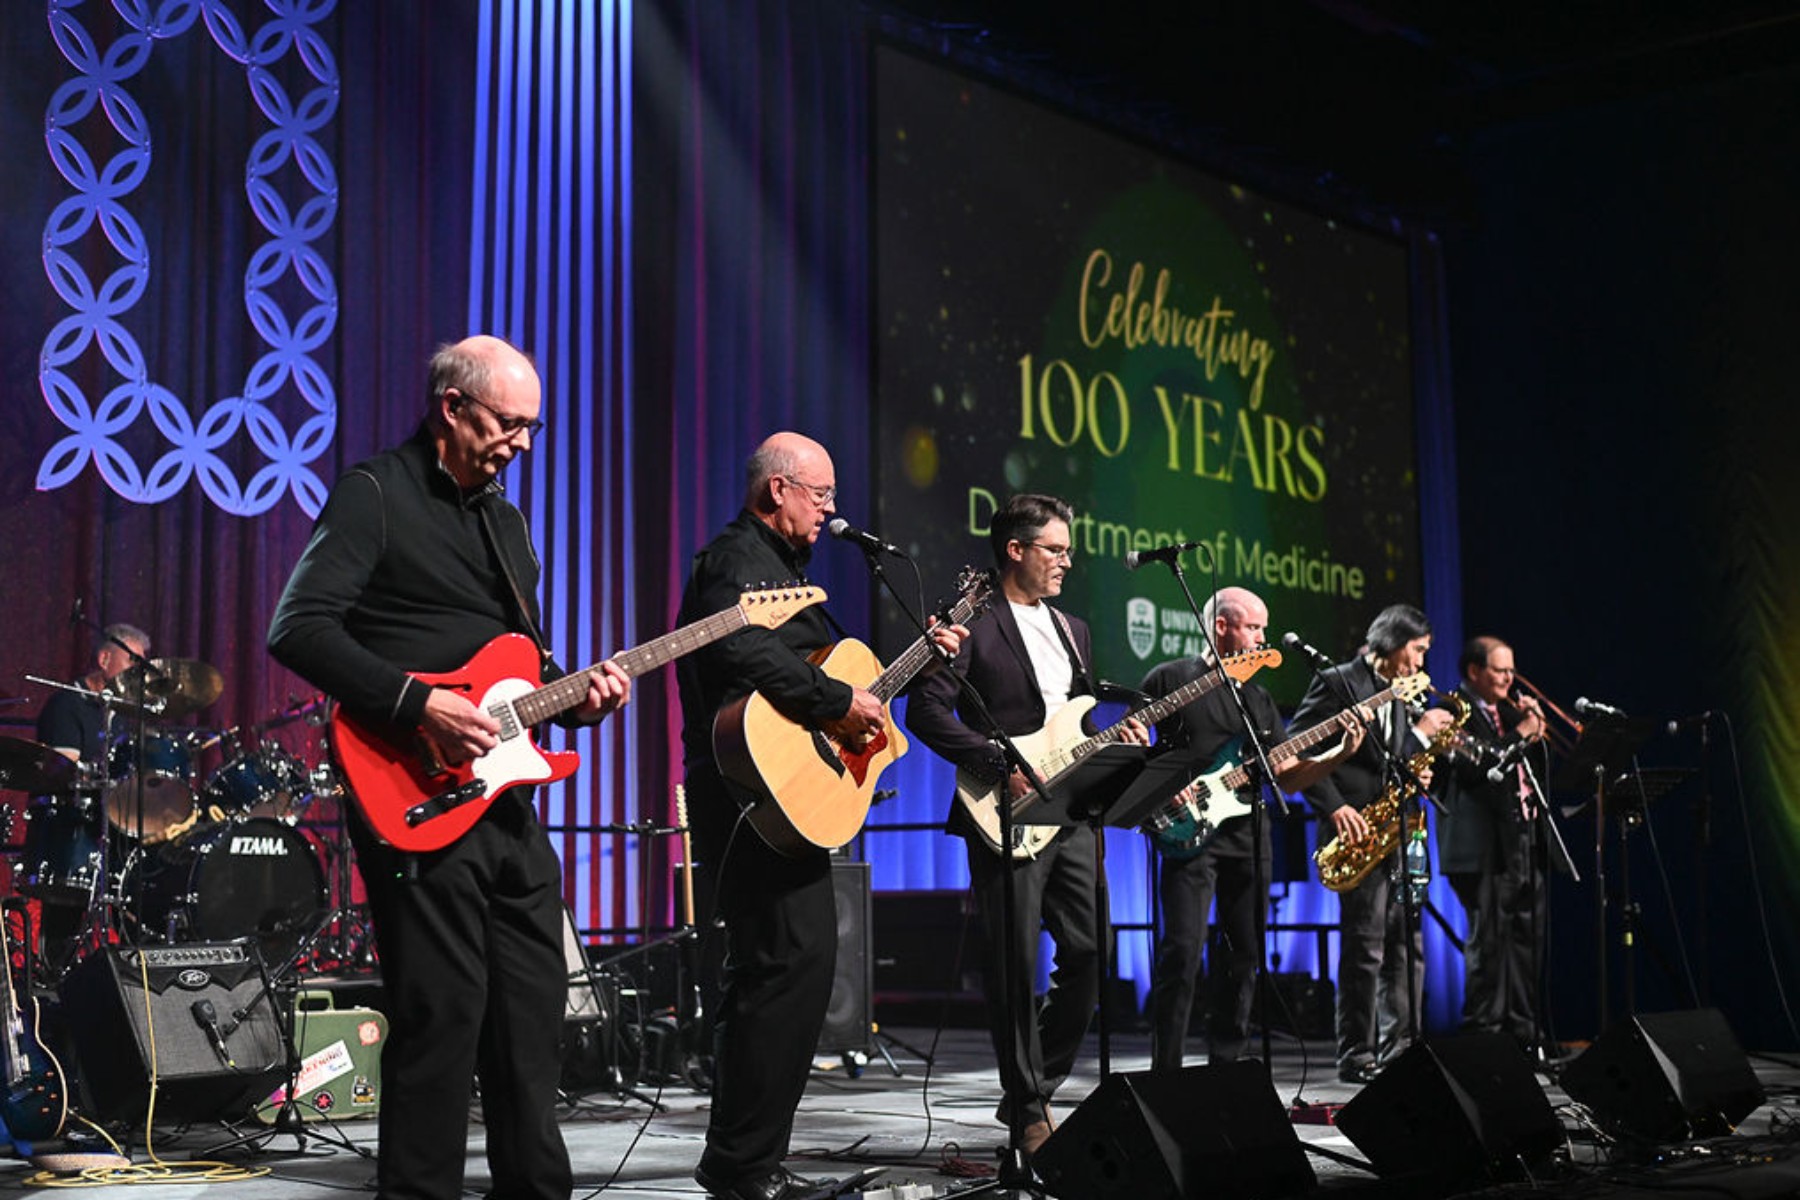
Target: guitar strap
{"points": [[1068, 640], [486, 512]]}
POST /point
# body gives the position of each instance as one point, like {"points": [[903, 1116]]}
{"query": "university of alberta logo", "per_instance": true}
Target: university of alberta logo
{"points": [[1140, 625]]}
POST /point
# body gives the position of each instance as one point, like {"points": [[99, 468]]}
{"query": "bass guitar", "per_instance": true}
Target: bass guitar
{"points": [[1182, 828], [34, 1101], [1061, 746], [415, 802], [811, 789]]}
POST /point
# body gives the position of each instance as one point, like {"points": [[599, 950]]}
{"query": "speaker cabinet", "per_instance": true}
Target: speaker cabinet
{"points": [[134, 1012], [598, 1047], [1666, 1076], [849, 1019], [1211, 1131], [1453, 1108]]}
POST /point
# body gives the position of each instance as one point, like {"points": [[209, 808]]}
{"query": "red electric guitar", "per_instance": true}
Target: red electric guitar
{"points": [[415, 802]]}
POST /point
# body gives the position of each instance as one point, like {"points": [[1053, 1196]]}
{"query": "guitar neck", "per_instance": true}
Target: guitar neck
{"points": [[1300, 743], [1150, 714], [892, 681], [560, 695]]}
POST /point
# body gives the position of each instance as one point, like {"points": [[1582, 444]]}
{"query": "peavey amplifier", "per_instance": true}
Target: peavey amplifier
{"points": [[340, 1062], [197, 1018]]}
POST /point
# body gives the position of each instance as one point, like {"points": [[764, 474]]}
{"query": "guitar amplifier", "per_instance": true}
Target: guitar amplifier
{"points": [[340, 1062]]}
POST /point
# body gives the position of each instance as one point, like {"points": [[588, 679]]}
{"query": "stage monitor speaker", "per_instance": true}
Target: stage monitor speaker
{"points": [[1666, 1076], [849, 1018], [597, 1044], [199, 1017], [1451, 1109], [1200, 1131]]}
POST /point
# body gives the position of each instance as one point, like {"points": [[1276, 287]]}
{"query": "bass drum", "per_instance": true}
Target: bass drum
{"points": [[254, 878]]}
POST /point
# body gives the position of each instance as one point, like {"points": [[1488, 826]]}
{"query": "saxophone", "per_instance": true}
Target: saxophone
{"points": [[1342, 867]]}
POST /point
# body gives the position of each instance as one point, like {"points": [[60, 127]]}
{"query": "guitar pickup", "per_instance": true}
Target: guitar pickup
{"points": [[443, 802]]}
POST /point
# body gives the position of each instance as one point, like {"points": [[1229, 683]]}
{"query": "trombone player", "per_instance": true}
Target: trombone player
{"points": [[1486, 842]]}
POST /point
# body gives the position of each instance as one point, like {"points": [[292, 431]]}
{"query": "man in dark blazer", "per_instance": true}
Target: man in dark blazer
{"points": [[1377, 1005], [1485, 845], [1026, 659]]}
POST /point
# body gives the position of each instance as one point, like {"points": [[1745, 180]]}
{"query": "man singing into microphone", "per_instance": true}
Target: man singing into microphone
{"points": [[780, 912], [1485, 845]]}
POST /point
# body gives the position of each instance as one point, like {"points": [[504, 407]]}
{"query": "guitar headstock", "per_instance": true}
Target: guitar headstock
{"points": [[681, 806], [1410, 687], [771, 607], [975, 591], [1245, 663]]}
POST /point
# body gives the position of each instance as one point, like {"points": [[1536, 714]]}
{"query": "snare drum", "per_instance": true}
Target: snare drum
{"points": [[60, 863], [259, 783], [243, 878], [164, 779]]}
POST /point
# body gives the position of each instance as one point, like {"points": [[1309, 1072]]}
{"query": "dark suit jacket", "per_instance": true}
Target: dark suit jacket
{"points": [[1359, 779], [995, 660], [1482, 818]]}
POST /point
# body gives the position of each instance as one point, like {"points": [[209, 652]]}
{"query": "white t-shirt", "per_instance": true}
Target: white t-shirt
{"points": [[1049, 657]]}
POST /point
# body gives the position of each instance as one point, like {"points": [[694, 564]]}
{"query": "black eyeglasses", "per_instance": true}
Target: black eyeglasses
{"points": [[1056, 553], [508, 425]]}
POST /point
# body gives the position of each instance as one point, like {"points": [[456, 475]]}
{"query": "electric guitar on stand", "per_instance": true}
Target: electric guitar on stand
{"points": [[1056, 750], [415, 802], [33, 1100], [812, 789], [1183, 826]]}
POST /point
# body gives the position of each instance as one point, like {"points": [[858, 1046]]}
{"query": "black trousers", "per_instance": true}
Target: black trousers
{"points": [[472, 963], [1505, 909], [1054, 892], [780, 919], [1187, 890], [1377, 1013]]}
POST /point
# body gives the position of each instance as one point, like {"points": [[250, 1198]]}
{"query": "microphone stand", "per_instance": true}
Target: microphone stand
{"points": [[1259, 819], [1015, 1174], [1540, 853]]}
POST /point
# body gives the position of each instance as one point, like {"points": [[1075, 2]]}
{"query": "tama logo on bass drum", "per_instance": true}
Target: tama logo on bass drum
{"points": [[251, 846]]}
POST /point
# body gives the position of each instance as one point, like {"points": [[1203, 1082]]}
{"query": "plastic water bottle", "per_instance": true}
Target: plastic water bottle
{"points": [[1418, 867]]}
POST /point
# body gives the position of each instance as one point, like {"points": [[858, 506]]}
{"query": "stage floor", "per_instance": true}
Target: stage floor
{"points": [[936, 1129]]}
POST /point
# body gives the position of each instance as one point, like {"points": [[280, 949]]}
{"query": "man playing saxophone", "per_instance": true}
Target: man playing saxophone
{"points": [[1380, 975]]}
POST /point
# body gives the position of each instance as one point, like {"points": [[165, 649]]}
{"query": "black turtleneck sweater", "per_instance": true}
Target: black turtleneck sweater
{"points": [[399, 577]]}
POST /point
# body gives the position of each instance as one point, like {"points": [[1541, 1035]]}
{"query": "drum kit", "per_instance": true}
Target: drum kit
{"points": [[146, 846]]}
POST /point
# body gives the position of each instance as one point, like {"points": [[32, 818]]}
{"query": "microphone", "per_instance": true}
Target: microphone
{"points": [[1688, 722], [1319, 658], [207, 1017], [1508, 757], [1167, 554], [1593, 708], [845, 531]]}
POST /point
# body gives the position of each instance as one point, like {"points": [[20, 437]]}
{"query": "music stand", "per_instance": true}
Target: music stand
{"points": [[1603, 751], [1088, 788]]}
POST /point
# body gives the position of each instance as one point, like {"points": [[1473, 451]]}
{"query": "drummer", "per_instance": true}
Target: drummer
{"points": [[74, 724]]}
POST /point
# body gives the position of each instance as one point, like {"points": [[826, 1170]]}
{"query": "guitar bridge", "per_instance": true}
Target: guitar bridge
{"points": [[443, 802]]}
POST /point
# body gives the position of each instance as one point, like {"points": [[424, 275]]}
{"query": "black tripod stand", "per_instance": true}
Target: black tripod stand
{"points": [[281, 991]]}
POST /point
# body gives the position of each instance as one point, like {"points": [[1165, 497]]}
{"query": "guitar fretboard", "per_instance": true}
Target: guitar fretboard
{"points": [[892, 681]]}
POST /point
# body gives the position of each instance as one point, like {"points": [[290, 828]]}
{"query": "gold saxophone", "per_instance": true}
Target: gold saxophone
{"points": [[1342, 867]]}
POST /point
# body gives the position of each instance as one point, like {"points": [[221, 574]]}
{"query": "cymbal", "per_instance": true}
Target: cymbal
{"points": [[29, 766], [175, 688]]}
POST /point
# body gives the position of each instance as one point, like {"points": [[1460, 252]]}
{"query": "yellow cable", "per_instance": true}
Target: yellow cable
{"points": [[159, 1171]]}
